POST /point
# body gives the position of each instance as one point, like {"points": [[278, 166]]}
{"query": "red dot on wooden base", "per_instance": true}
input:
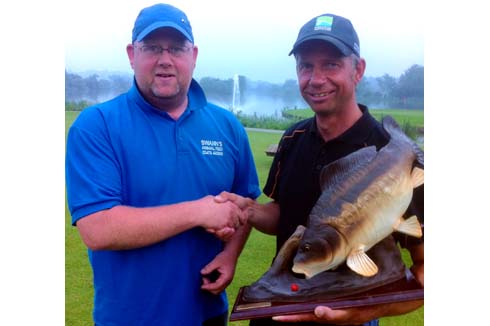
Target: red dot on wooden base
{"points": [[294, 287]]}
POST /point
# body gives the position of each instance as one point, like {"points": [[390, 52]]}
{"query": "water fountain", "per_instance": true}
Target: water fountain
{"points": [[235, 104]]}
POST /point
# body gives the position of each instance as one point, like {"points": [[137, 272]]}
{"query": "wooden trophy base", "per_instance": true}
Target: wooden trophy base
{"points": [[405, 289]]}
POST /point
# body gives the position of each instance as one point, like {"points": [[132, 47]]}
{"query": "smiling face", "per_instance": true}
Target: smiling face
{"points": [[327, 79], [164, 78]]}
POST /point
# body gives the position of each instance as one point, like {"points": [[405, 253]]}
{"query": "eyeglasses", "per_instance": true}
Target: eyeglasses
{"points": [[153, 51]]}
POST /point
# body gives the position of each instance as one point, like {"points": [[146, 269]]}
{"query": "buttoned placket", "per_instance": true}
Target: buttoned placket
{"points": [[181, 145]]}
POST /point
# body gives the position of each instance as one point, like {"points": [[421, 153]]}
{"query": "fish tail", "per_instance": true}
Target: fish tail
{"points": [[394, 129]]}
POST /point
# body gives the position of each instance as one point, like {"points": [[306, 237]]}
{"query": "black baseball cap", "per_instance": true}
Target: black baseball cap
{"points": [[331, 28]]}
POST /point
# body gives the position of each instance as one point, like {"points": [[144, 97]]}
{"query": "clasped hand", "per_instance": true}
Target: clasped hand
{"points": [[229, 217]]}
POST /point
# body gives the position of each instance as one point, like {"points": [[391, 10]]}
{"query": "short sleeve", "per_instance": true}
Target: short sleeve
{"points": [[93, 179]]}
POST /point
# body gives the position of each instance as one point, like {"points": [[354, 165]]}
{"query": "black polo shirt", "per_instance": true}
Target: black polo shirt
{"points": [[294, 177]]}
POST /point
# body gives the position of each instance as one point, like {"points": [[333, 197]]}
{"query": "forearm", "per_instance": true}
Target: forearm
{"points": [[124, 227], [417, 255], [225, 262], [235, 246], [363, 315], [264, 217]]}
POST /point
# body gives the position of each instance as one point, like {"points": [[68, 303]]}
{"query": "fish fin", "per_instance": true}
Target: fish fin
{"points": [[345, 167], [417, 177], [410, 226], [287, 251], [360, 263]]}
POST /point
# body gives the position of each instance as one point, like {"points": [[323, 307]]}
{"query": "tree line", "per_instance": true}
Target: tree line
{"points": [[385, 91]]}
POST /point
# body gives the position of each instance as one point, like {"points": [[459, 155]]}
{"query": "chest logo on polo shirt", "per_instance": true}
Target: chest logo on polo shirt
{"points": [[212, 147]]}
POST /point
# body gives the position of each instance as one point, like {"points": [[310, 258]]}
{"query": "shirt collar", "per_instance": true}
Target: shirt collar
{"points": [[197, 98], [357, 134]]}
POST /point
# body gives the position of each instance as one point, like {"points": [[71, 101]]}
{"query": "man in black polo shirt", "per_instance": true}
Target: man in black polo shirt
{"points": [[329, 67]]}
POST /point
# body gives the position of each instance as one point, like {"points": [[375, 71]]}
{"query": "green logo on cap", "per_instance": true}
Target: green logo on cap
{"points": [[324, 23]]}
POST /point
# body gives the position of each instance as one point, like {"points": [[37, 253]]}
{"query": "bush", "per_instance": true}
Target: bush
{"points": [[76, 106], [270, 122]]}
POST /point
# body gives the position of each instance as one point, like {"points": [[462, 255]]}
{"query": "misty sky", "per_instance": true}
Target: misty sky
{"points": [[250, 38]]}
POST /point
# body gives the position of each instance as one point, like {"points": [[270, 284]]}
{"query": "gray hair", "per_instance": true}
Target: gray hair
{"points": [[355, 60]]}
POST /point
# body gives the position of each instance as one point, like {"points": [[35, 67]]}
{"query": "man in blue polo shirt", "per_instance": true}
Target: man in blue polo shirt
{"points": [[142, 171]]}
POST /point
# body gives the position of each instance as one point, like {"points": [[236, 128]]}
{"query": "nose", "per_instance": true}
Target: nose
{"points": [[317, 77], [165, 58]]}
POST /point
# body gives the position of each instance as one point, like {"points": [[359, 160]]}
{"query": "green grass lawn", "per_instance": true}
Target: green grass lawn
{"points": [[414, 117], [78, 274], [254, 260]]}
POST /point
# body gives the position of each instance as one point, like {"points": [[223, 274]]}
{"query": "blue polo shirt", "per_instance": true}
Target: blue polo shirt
{"points": [[126, 152]]}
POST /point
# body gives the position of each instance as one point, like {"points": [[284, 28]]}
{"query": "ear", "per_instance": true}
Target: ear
{"points": [[361, 67], [195, 51], [130, 52]]}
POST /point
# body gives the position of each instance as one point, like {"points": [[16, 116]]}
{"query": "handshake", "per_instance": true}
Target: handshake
{"points": [[227, 213]]}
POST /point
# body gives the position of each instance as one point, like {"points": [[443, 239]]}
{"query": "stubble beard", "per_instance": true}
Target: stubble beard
{"points": [[325, 110], [166, 99]]}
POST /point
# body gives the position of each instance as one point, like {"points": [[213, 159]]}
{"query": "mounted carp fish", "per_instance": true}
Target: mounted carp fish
{"points": [[364, 196]]}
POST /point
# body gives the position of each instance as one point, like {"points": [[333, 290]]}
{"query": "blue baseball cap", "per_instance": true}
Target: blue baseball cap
{"points": [[158, 16], [333, 29]]}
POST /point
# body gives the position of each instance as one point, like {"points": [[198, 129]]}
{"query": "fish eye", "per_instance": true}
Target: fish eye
{"points": [[306, 247]]}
